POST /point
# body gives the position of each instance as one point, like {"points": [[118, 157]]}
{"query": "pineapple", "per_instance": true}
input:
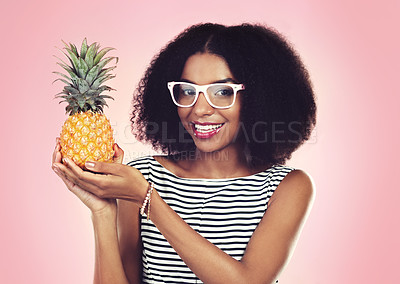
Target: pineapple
{"points": [[87, 133]]}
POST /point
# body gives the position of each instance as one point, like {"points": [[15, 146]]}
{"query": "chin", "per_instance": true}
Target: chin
{"points": [[209, 147]]}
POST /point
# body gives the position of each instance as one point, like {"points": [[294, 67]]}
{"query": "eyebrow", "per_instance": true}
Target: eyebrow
{"points": [[227, 80]]}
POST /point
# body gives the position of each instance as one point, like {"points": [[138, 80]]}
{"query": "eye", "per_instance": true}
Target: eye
{"points": [[188, 92], [183, 90], [223, 91]]}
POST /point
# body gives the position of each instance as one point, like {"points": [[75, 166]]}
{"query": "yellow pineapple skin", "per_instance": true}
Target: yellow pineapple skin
{"points": [[87, 136]]}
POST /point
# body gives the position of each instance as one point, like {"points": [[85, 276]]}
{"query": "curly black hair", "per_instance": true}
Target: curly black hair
{"points": [[278, 109]]}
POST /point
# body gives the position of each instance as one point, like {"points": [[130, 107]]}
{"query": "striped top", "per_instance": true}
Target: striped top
{"points": [[224, 211]]}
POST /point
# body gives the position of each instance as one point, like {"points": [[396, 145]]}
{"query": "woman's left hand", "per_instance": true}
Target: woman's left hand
{"points": [[107, 180]]}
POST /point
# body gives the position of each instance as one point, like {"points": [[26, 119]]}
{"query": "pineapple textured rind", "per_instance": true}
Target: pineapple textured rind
{"points": [[87, 137]]}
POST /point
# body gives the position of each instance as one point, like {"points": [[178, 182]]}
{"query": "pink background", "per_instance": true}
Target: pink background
{"points": [[351, 49]]}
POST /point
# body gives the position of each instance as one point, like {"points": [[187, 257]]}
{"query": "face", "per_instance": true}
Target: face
{"points": [[212, 129]]}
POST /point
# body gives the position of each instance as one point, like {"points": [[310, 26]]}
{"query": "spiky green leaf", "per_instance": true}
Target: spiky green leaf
{"points": [[64, 81], [106, 97], [83, 86], [81, 102], [83, 68], [97, 47], [101, 101], [84, 48], [87, 72], [105, 88], [90, 101], [71, 90], [91, 53], [71, 47], [67, 68], [74, 49], [62, 61], [92, 74], [101, 80], [105, 61], [63, 75], [93, 93], [73, 77], [106, 70], [62, 97], [73, 58], [101, 53], [61, 94], [66, 44]]}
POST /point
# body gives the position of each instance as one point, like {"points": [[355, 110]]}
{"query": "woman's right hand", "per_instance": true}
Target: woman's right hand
{"points": [[96, 205]]}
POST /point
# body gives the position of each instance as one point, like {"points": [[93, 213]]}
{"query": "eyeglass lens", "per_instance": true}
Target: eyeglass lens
{"points": [[219, 95]]}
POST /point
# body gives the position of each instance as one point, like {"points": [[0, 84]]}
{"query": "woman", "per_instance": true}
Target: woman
{"points": [[228, 105]]}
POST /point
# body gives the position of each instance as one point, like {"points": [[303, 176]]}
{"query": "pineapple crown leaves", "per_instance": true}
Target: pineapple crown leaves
{"points": [[87, 72]]}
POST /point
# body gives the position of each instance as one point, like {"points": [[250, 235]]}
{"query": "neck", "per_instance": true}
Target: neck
{"points": [[226, 163]]}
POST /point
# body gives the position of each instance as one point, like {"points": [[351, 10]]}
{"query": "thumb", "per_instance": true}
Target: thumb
{"points": [[118, 154], [104, 167]]}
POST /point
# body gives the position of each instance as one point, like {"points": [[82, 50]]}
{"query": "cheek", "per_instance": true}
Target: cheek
{"points": [[183, 114], [234, 115], [235, 121]]}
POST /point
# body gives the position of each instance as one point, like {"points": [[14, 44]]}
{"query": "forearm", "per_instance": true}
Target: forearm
{"points": [[108, 264], [207, 261]]}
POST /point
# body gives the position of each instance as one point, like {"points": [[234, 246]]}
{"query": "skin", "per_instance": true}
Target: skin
{"points": [[202, 69], [116, 226]]}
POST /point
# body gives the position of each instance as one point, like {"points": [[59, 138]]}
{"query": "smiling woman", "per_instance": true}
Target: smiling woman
{"points": [[210, 210], [211, 127]]}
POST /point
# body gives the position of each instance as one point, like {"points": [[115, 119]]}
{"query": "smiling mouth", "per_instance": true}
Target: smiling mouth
{"points": [[206, 130]]}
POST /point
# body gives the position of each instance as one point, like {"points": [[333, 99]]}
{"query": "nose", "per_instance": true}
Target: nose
{"points": [[202, 107]]}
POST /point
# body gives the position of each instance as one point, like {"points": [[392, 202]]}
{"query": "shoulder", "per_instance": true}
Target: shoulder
{"points": [[141, 161], [143, 164], [173, 163], [299, 179], [157, 163], [296, 186]]}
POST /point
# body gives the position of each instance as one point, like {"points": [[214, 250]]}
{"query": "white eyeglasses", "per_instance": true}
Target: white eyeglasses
{"points": [[218, 95]]}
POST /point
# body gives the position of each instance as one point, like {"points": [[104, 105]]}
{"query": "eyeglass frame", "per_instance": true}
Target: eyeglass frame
{"points": [[203, 89]]}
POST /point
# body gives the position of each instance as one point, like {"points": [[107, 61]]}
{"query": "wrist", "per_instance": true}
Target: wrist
{"points": [[142, 189], [147, 202], [106, 213]]}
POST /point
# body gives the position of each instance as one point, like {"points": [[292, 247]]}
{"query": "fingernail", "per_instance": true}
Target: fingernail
{"points": [[65, 160], [56, 169], [89, 165]]}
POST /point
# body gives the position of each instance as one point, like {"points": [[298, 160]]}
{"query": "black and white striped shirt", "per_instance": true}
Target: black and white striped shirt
{"points": [[224, 211]]}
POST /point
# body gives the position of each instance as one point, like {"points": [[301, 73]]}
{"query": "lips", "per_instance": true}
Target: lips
{"points": [[206, 130]]}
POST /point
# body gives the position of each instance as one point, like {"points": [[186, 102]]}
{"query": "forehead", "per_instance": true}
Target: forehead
{"points": [[205, 68]]}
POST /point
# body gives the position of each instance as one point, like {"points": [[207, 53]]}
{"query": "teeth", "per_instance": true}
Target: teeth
{"points": [[207, 128]]}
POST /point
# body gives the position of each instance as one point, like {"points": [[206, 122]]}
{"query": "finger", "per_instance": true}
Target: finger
{"points": [[89, 199], [63, 177], [67, 182], [86, 180], [118, 154], [56, 158], [83, 195], [113, 169]]}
